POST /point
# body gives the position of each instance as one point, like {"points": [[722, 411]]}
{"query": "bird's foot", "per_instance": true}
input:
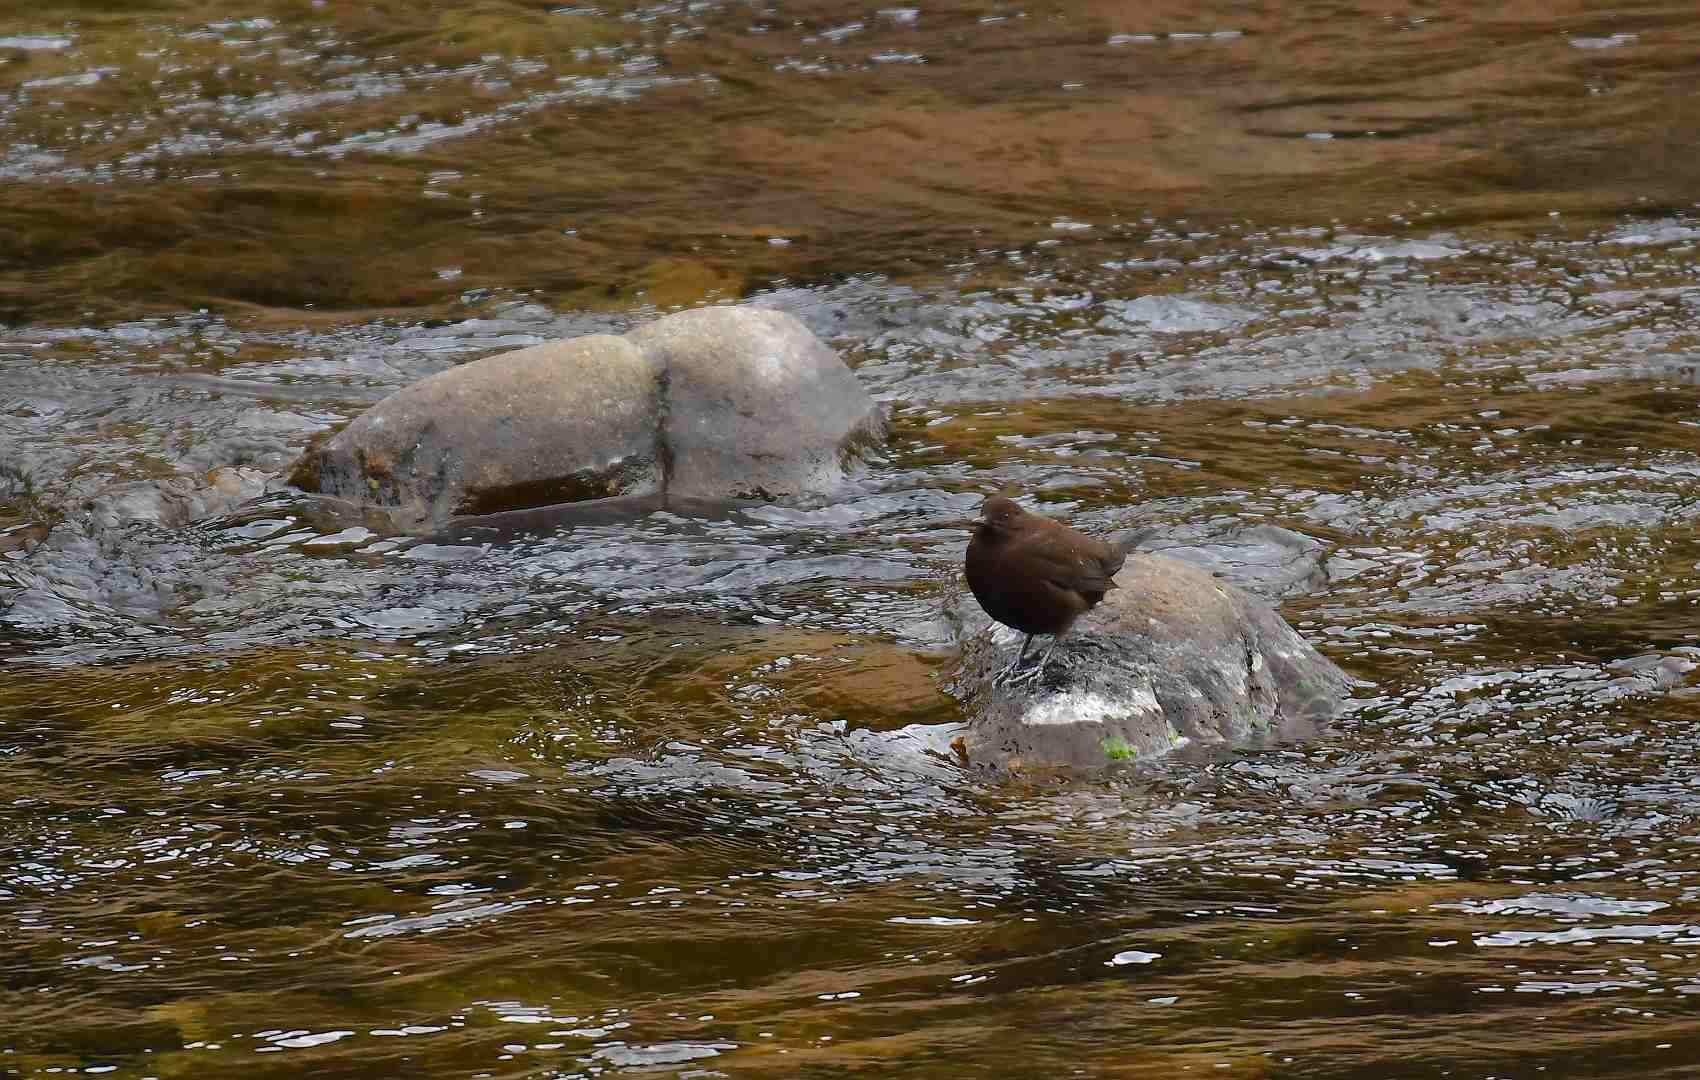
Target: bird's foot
{"points": [[1015, 674], [1036, 673]]}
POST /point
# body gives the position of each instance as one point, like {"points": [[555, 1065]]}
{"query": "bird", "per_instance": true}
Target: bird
{"points": [[1036, 574]]}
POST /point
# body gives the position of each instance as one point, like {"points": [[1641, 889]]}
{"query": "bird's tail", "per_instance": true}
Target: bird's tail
{"points": [[1123, 543]]}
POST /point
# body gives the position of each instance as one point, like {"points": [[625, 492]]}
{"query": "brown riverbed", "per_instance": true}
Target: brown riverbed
{"points": [[651, 794]]}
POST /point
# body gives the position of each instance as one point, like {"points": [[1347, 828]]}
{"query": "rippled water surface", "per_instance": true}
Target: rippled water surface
{"points": [[1385, 314]]}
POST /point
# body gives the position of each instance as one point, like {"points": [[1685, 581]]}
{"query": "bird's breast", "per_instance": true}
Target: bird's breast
{"points": [[1018, 592]]}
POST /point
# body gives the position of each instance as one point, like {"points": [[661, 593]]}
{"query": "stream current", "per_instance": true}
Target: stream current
{"points": [[651, 789]]}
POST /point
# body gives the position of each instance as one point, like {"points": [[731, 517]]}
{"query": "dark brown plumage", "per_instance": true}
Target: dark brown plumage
{"points": [[1035, 574]]}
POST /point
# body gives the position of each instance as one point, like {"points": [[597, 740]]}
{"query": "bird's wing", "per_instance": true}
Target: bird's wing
{"points": [[1068, 566]]}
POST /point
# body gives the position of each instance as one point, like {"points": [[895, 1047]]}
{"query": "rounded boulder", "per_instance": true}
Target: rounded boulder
{"points": [[1172, 656], [715, 402]]}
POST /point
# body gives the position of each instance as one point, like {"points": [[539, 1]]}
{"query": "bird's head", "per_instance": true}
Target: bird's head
{"points": [[998, 514]]}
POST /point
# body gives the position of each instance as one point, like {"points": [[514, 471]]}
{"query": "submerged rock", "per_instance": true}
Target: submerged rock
{"points": [[176, 501], [716, 402], [1171, 656]]}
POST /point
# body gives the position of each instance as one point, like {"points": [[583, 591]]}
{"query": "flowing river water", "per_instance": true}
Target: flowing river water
{"points": [[1387, 311]]}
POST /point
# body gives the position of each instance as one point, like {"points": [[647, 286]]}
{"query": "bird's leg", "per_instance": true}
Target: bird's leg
{"points": [[1046, 657], [1038, 669], [1019, 657]]}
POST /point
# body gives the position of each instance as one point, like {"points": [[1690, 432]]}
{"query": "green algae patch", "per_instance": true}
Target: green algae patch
{"points": [[1117, 748]]}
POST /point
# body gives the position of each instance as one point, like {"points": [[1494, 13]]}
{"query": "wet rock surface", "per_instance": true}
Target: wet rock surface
{"points": [[1174, 655], [557, 422], [756, 405], [175, 501], [715, 402]]}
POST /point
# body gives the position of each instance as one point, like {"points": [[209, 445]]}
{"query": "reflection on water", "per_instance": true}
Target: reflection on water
{"points": [[665, 788]]}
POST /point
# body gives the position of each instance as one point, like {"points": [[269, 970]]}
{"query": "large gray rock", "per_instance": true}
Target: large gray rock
{"points": [[756, 405], [1173, 655], [716, 402]]}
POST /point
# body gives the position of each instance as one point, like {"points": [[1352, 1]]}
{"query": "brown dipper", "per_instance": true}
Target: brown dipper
{"points": [[1035, 574]]}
